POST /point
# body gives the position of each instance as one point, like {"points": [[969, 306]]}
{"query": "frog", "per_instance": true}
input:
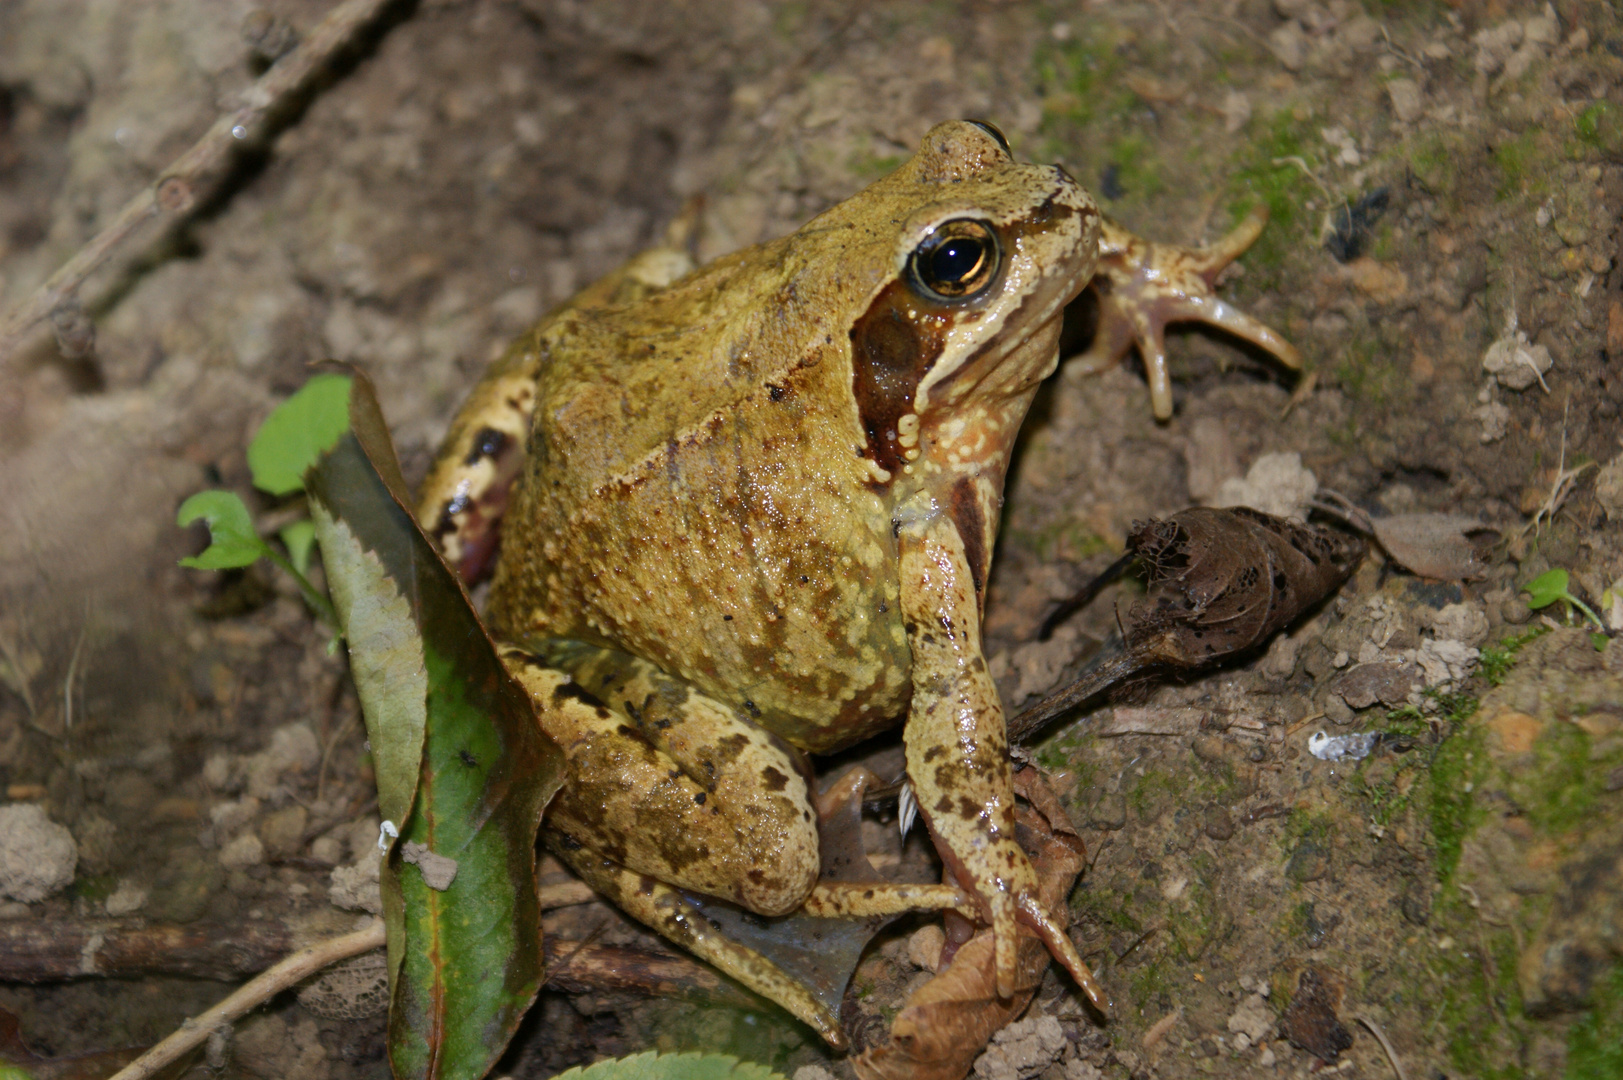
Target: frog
{"points": [[740, 514]]}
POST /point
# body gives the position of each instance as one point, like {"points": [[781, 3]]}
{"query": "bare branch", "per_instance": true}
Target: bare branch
{"points": [[295, 969], [183, 186]]}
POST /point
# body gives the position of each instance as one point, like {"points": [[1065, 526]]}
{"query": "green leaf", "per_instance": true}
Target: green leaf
{"points": [[299, 538], [1546, 589], [299, 431], [463, 768], [656, 1066], [231, 527]]}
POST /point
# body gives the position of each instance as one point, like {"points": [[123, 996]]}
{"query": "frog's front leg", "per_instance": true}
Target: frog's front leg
{"points": [[1143, 286], [957, 749]]}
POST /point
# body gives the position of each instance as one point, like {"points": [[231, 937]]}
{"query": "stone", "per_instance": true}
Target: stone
{"points": [[355, 888], [245, 851], [1407, 103], [924, 946], [1023, 1049], [37, 856]]}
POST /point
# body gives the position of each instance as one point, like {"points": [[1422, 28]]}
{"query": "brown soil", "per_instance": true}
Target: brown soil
{"points": [[479, 161]]}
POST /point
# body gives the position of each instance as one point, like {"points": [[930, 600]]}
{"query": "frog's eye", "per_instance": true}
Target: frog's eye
{"points": [[957, 260]]}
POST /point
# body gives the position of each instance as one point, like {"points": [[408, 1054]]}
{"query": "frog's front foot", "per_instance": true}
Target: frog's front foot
{"points": [[1143, 286]]}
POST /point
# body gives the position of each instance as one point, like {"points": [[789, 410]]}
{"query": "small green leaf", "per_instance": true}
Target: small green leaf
{"points": [[299, 538], [299, 431], [235, 543], [656, 1066], [1546, 589]]}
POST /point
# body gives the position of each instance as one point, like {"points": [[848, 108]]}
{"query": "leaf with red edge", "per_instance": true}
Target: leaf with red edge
{"points": [[463, 769]]}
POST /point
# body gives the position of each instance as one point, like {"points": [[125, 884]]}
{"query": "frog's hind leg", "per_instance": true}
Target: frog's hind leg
{"points": [[678, 919], [667, 782], [1143, 286]]}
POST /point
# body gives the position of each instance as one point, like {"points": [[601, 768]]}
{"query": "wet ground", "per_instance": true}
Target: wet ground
{"points": [[1444, 182]]}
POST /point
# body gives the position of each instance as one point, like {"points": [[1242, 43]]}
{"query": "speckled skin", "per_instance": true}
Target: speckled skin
{"points": [[754, 513]]}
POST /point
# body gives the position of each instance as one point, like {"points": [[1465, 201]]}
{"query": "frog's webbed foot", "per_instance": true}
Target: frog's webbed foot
{"points": [[691, 923], [1143, 286]]}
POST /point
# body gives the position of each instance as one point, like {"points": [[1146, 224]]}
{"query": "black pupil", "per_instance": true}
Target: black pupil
{"points": [[956, 259]]}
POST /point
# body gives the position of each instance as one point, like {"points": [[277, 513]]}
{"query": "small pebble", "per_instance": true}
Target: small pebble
{"points": [[1515, 611], [245, 851], [925, 945], [1219, 823]]}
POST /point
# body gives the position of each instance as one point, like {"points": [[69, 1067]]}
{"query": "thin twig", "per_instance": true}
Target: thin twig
{"points": [[1380, 1037], [182, 187], [254, 993], [73, 672]]}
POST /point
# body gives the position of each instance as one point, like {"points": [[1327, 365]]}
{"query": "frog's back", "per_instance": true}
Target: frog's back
{"points": [[696, 492]]}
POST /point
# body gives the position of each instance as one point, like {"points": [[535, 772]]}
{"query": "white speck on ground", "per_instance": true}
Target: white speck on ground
{"points": [[37, 856]]}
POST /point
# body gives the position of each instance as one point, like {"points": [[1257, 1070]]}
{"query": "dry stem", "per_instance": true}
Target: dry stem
{"points": [[182, 186], [296, 968]]}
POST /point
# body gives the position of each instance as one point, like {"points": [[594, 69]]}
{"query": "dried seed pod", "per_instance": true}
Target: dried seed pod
{"points": [[1221, 582]]}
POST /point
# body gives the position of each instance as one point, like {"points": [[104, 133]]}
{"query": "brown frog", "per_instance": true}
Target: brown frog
{"points": [[747, 512]]}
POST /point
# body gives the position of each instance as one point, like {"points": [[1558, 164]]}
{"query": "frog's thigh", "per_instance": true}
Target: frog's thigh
{"points": [[726, 814]]}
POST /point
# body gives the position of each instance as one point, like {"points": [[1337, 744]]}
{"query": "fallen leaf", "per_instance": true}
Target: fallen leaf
{"points": [[1432, 545], [1310, 1023]]}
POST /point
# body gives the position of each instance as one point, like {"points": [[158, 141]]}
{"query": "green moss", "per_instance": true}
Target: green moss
{"points": [[1481, 1009], [1313, 826], [1153, 790], [95, 887], [1595, 1043], [1264, 174], [1564, 787], [1497, 660], [1068, 540], [1365, 373], [1515, 160], [866, 165], [1082, 74], [1456, 771], [1435, 161], [1138, 169], [1598, 127]]}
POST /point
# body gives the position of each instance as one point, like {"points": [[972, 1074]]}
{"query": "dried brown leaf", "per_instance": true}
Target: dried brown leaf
{"points": [[1432, 545], [1310, 1023]]}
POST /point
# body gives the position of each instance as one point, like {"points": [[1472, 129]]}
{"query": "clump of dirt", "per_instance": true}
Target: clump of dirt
{"points": [[1444, 184]]}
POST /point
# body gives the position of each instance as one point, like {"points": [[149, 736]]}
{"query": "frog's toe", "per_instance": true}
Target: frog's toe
{"points": [[1059, 946], [1143, 287]]}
